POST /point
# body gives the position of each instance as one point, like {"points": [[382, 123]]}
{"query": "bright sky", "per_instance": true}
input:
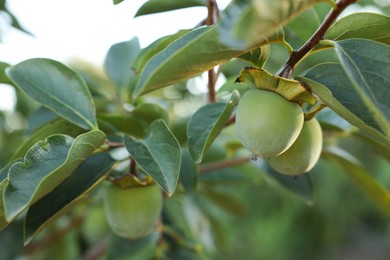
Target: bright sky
{"points": [[84, 29]]}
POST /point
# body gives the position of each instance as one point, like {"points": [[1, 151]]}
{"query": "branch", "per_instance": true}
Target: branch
{"points": [[221, 165], [296, 56], [212, 11]]}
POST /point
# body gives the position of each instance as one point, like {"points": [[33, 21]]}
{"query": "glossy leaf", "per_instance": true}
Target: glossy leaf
{"points": [[148, 52], [245, 24], [58, 87], [157, 6], [331, 84], [359, 175], [361, 25], [58, 126], [367, 65], [118, 62], [46, 164], [206, 124], [158, 154], [184, 58], [59, 201]]}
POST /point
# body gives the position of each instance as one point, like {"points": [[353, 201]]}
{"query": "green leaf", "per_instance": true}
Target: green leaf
{"points": [[114, 124], [148, 112], [3, 77], [225, 200], [359, 175], [367, 65], [361, 25], [58, 87], [117, 1], [311, 21], [206, 124], [47, 164], [70, 192], [331, 84], [245, 24], [188, 172], [257, 57], [57, 126], [158, 6], [155, 47], [118, 62], [302, 186], [158, 154], [188, 56]]}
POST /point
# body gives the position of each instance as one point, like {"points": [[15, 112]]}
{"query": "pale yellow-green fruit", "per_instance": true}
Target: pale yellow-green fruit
{"points": [[133, 212], [302, 156], [267, 124]]}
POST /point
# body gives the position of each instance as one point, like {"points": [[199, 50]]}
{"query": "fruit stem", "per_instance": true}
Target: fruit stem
{"points": [[286, 70]]}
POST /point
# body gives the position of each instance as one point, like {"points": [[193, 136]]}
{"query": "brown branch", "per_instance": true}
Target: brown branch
{"points": [[98, 250], [225, 164], [212, 11], [296, 56]]}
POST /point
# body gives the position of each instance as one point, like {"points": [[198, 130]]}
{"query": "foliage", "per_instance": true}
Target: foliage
{"points": [[138, 123]]}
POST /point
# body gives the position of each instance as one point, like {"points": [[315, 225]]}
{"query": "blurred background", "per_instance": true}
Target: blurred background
{"points": [[259, 218]]}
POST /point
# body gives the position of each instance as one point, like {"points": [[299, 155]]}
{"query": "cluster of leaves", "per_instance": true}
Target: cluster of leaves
{"points": [[87, 126]]}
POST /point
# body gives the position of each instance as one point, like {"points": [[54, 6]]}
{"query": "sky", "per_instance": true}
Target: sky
{"points": [[84, 29]]}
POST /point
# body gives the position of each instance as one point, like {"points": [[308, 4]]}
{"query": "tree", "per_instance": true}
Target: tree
{"points": [[132, 164]]}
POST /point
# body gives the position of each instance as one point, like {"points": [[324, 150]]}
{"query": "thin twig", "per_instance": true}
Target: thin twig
{"points": [[296, 56], [221, 165]]}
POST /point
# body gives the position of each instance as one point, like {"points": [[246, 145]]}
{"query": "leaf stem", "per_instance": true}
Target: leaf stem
{"points": [[225, 164], [286, 70]]}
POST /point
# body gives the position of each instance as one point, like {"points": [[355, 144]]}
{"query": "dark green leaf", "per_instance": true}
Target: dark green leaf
{"points": [[188, 172], [59, 201], [359, 175], [140, 249], [118, 62], [58, 87], [301, 186], [331, 84], [157, 6], [158, 154], [114, 124], [361, 25], [117, 1], [245, 24], [148, 112], [367, 65], [206, 124], [48, 163], [188, 56]]}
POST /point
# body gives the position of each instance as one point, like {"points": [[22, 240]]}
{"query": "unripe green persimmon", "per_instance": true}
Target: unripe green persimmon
{"points": [[267, 124], [303, 154], [133, 212]]}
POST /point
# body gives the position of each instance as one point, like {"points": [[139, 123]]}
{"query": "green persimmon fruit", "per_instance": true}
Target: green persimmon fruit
{"points": [[267, 124], [303, 154], [133, 212]]}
